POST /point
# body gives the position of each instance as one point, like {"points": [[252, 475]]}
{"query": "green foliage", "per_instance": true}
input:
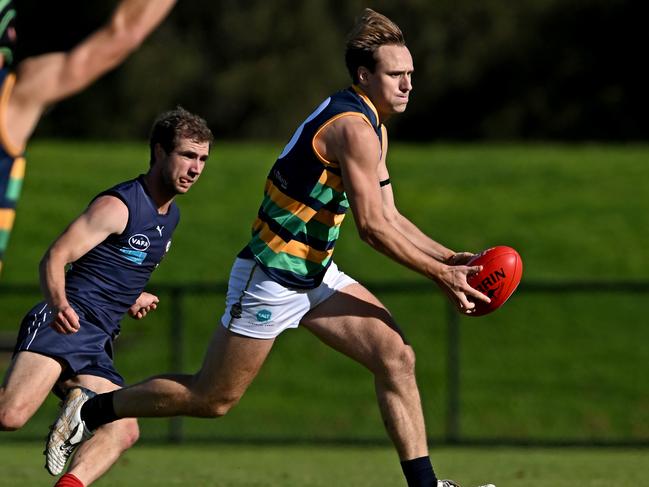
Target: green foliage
{"points": [[496, 69]]}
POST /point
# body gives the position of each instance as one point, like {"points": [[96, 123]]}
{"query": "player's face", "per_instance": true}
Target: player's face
{"points": [[390, 84], [183, 166]]}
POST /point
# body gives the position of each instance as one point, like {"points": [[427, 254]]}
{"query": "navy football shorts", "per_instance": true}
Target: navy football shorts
{"points": [[88, 351]]}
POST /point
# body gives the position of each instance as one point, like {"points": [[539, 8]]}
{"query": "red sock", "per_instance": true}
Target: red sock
{"points": [[69, 480]]}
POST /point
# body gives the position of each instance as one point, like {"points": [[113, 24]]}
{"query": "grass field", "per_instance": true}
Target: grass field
{"points": [[572, 211], [299, 466], [545, 367]]}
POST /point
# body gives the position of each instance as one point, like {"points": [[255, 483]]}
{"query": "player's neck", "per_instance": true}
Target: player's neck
{"points": [[158, 192]]}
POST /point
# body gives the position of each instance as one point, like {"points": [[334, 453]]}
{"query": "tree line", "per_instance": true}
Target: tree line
{"points": [[568, 70]]}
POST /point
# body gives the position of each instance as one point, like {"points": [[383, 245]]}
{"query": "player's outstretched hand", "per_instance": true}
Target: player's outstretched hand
{"points": [[145, 302], [66, 320], [453, 280]]}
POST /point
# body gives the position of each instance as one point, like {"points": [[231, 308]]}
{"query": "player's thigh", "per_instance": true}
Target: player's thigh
{"points": [[28, 381], [231, 363], [354, 322]]}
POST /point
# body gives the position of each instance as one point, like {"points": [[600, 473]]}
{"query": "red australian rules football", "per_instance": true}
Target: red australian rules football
{"points": [[502, 269]]}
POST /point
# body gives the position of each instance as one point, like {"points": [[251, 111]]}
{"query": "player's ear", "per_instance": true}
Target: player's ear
{"points": [[363, 74], [159, 152]]}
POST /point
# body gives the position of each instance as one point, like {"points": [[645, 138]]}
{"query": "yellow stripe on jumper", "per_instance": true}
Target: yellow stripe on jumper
{"points": [[327, 178], [294, 248], [18, 169], [297, 208], [303, 211], [12, 150], [7, 216]]}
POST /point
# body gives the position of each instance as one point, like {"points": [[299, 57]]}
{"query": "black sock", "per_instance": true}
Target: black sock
{"points": [[98, 410], [419, 472]]}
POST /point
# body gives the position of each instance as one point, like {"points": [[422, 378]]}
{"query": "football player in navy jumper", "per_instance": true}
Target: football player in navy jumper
{"points": [[112, 249]]}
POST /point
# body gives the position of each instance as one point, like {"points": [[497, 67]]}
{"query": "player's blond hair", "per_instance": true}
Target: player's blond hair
{"points": [[372, 30]]}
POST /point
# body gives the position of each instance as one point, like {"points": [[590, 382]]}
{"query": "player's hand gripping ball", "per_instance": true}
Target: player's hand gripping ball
{"points": [[502, 269]]}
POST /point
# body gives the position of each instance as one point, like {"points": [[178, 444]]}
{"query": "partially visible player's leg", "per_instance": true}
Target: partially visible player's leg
{"points": [[231, 363], [354, 322], [26, 385], [99, 453]]}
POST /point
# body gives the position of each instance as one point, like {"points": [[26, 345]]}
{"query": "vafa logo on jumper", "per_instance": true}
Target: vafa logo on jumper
{"points": [[139, 242]]}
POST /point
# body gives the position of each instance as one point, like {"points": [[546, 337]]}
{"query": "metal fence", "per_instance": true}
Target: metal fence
{"points": [[452, 431]]}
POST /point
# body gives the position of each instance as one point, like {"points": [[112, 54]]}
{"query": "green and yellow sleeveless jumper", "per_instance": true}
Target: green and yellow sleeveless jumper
{"points": [[298, 222]]}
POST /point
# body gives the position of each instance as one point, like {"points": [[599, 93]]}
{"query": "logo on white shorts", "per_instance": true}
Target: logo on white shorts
{"points": [[263, 315]]}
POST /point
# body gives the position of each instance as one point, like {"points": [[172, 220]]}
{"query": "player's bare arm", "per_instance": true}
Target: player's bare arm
{"points": [[143, 304], [403, 225], [353, 143], [46, 79], [105, 216]]}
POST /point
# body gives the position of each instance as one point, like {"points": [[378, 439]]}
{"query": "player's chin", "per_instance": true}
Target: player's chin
{"points": [[182, 188], [400, 107]]}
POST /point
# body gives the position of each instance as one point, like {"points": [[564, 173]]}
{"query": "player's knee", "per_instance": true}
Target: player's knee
{"points": [[130, 434], [217, 407], [12, 418], [399, 362]]}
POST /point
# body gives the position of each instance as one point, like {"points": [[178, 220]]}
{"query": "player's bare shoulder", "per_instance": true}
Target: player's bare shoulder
{"points": [[107, 212], [108, 204], [349, 137]]}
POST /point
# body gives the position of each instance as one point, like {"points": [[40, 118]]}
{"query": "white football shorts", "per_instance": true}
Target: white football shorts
{"points": [[258, 307]]}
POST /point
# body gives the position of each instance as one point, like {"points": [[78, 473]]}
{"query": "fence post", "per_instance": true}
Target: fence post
{"points": [[452, 374], [176, 434]]}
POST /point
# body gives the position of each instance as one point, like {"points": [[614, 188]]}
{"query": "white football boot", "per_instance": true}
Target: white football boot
{"points": [[68, 432]]}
